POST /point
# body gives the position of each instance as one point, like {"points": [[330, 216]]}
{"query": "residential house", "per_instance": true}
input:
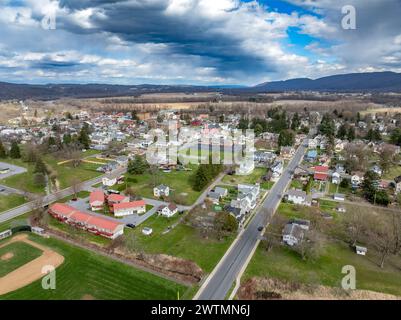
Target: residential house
{"points": [[223, 192], [293, 234], [246, 167], [214, 197], [321, 173], [167, 210], [287, 152], [113, 199], [161, 191], [96, 200], [356, 180], [109, 181], [312, 144], [336, 178], [311, 156], [277, 169], [128, 208], [298, 196], [376, 169]]}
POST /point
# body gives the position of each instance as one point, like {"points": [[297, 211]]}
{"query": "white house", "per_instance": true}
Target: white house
{"points": [[96, 200], [109, 182], [277, 169], [246, 167], [376, 169], [127, 208], [336, 178], [297, 196], [161, 190], [356, 180], [397, 184], [168, 211], [292, 234]]}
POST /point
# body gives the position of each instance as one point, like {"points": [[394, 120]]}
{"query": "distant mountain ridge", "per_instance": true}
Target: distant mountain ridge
{"points": [[373, 81], [352, 82]]}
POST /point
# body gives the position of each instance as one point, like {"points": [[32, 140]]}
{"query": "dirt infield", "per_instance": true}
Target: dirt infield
{"points": [[31, 271], [7, 256]]}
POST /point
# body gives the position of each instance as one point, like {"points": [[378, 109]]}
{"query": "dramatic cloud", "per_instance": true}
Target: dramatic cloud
{"points": [[193, 41]]}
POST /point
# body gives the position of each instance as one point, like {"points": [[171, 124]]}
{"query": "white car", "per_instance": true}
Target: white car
{"points": [[147, 231]]}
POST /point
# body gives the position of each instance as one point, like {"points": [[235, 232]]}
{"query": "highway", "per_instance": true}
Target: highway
{"points": [[220, 281], [27, 207]]}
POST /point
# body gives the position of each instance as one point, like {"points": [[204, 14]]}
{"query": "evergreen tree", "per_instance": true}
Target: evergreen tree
{"points": [[3, 152], [15, 152], [342, 131], [67, 139], [40, 166], [327, 126], [295, 123], [83, 137], [286, 138], [351, 134], [39, 179], [137, 166]]}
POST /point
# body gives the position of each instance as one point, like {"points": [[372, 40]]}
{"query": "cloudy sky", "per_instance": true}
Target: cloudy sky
{"points": [[194, 41]]}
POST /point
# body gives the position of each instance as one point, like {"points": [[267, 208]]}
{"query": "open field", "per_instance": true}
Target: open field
{"points": [[64, 172], [394, 172], [283, 263], [182, 241], [252, 178], [86, 274], [10, 201], [179, 182]]}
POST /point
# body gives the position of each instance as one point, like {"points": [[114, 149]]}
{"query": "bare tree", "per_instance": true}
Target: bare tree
{"points": [[76, 186], [355, 223]]}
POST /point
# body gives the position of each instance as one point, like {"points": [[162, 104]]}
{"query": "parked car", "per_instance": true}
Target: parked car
{"points": [[130, 225], [260, 228]]}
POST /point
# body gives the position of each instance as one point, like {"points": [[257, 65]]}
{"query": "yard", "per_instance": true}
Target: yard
{"points": [[394, 172], [252, 178], [285, 264], [179, 182], [87, 275], [10, 201], [181, 241]]}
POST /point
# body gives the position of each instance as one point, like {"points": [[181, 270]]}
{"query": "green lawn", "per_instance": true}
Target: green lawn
{"points": [[85, 273], [22, 254], [334, 188], [10, 201], [252, 178], [283, 263], [65, 172], [394, 172], [179, 182], [182, 241]]}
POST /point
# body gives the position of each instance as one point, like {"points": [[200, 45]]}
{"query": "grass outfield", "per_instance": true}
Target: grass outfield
{"points": [[87, 274], [22, 254]]}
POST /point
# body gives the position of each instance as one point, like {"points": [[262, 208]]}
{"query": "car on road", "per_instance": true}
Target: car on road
{"points": [[260, 228], [130, 225], [2, 189]]}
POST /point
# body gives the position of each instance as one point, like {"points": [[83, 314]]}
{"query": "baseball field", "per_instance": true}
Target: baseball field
{"points": [[80, 274]]}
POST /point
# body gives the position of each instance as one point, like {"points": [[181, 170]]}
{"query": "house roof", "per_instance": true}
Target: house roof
{"points": [[320, 176], [96, 195], [296, 193], [116, 197], [62, 209], [129, 205], [321, 169]]}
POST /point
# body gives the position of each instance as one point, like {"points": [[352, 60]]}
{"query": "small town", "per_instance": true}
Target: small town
{"points": [[200, 158]]}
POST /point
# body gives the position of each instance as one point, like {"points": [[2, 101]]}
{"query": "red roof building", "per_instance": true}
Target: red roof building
{"points": [[96, 200], [83, 220], [127, 208]]}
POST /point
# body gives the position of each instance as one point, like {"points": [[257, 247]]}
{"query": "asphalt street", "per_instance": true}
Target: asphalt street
{"points": [[222, 278]]}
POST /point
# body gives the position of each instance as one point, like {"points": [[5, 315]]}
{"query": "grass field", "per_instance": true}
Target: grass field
{"points": [[284, 263], [65, 172], [86, 274], [182, 241], [252, 178], [178, 181], [394, 172], [22, 254], [10, 201]]}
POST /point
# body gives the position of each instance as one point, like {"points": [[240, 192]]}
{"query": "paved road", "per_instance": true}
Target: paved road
{"points": [[13, 170], [27, 207], [220, 281]]}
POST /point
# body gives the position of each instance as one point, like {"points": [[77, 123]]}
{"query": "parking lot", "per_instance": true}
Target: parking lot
{"points": [[8, 170]]}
